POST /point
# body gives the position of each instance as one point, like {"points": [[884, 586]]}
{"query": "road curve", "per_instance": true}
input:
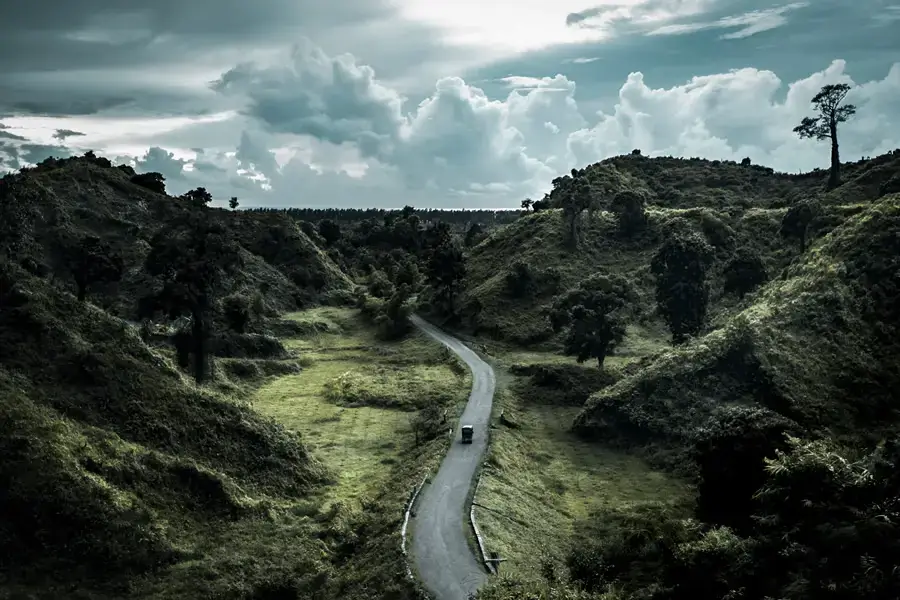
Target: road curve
{"points": [[440, 552]]}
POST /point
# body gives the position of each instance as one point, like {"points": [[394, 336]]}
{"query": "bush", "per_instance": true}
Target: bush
{"points": [[520, 281], [629, 207], [744, 273], [155, 182]]}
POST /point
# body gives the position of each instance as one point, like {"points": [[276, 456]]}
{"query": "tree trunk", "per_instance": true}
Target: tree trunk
{"points": [[834, 178], [198, 334], [600, 360]]}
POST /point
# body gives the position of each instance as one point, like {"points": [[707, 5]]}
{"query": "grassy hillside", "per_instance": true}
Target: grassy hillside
{"points": [[730, 205], [113, 462], [86, 196], [785, 416], [816, 349]]}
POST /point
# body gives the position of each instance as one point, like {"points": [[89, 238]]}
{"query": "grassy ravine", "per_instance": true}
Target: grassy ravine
{"points": [[353, 404], [543, 482]]}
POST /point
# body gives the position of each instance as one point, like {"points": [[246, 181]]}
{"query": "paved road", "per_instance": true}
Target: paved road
{"points": [[441, 554]]}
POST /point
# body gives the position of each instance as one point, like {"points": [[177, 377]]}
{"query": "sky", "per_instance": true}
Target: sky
{"points": [[470, 103]]}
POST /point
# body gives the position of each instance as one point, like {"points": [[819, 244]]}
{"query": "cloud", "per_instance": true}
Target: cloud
{"points": [[314, 129], [747, 24], [62, 134], [622, 16], [311, 93], [582, 60], [12, 136]]}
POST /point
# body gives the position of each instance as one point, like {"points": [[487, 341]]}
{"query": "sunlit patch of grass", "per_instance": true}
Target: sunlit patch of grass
{"points": [[354, 400], [543, 479]]}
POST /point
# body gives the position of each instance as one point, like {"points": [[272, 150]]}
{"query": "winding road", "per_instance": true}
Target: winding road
{"points": [[441, 554]]}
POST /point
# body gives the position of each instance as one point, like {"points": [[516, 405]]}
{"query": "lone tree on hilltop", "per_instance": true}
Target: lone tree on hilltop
{"points": [[90, 260], [199, 197], [824, 126], [233, 203], [681, 265], [593, 315], [192, 259], [153, 181]]}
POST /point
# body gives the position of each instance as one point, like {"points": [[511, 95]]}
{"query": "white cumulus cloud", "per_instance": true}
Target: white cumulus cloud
{"points": [[320, 130]]}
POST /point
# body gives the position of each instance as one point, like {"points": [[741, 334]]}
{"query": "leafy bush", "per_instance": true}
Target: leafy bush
{"points": [[155, 182]]}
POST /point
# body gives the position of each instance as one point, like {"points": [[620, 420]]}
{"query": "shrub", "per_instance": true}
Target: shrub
{"points": [[155, 182]]}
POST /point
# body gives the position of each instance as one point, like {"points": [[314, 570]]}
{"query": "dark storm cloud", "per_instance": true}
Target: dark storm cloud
{"points": [[62, 134], [11, 136], [332, 98], [61, 57]]}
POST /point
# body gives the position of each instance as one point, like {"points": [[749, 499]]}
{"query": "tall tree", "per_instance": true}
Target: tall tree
{"points": [[577, 199], [446, 266], [593, 315], [90, 260], [682, 294], [233, 203], [192, 259], [825, 124]]}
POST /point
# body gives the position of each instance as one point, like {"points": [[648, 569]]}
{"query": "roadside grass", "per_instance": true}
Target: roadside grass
{"points": [[354, 401], [542, 482]]}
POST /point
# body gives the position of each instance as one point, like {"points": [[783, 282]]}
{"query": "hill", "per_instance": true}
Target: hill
{"points": [[87, 196], [116, 466], [816, 351], [121, 476], [732, 206]]}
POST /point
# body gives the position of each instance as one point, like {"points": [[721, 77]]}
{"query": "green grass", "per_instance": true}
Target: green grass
{"points": [[542, 480], [354, 401]]}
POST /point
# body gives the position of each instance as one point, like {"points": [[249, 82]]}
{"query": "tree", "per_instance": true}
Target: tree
{"points": [[825, 125], [593, 315], [192, 259], [744, 273], [573, 204], [527, 203], [153, 181], [680, 266], [233, 203], [629, 207], [237, 311], [474, 232], [330, 231], [393, 322], [198, 198], [90, 261], [520, 281], [445, 268], [796, 221]]}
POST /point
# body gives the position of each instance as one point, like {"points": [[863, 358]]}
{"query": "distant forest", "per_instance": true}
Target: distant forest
{"points": [[354, 215]]}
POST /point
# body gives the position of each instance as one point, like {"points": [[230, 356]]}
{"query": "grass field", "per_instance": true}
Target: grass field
{"points": [[354, 400], [542, 480]]}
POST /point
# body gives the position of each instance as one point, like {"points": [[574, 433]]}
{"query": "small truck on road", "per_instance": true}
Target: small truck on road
{"points": [[467, 431]]}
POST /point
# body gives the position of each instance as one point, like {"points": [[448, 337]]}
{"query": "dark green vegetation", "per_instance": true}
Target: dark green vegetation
{"points": [[739, 327], [120, 476], [778, 402]]}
